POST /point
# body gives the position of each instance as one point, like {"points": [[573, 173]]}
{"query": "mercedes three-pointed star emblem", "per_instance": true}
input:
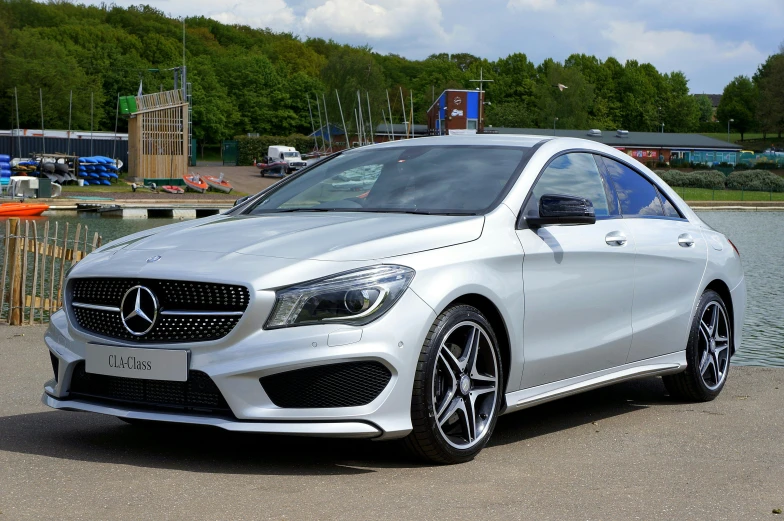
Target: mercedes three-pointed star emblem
{"points": [[138, 310]]}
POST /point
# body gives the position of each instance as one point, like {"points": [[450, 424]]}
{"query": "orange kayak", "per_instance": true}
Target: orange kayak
{"points": [[22, 209]]}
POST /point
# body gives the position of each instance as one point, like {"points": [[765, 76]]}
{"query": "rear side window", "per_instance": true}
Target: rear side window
{"points": [[669, 209], [637, 196], [571, 174]]}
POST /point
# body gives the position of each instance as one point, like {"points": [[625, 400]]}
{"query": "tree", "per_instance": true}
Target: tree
{"points": [[769, 80], [739, 103], [704, 108], [680, 109]]}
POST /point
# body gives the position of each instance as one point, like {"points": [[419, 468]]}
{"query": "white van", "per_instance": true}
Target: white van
{"points": [[289, 155]]}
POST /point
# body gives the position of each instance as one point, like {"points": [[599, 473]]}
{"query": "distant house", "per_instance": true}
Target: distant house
{"points": [[714, 99], [648, 147], [332, 135]]}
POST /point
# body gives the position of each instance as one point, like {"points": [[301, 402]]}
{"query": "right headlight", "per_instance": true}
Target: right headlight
{"points": [[354, 297]]}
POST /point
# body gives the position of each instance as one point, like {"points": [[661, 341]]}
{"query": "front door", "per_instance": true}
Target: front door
{"points": [[578, 280]]}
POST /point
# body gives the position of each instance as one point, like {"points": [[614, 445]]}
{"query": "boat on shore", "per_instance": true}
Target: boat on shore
{"points": [[171, 189], [218, 183], [22, 209], [195, 183]]}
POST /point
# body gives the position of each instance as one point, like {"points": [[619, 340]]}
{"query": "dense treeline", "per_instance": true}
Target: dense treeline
{"points": [[255, 80]]}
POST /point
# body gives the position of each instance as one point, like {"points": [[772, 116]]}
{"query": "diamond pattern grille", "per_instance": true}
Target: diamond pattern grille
{"points": [[173, 296]]}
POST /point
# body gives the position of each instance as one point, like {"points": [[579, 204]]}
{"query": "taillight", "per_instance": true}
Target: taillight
{"points": [[734, 247]]}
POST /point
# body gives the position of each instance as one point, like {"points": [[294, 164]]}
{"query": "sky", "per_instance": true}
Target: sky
{"points": [[711, 41]]}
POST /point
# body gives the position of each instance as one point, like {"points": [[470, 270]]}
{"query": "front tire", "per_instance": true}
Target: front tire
{"points": [[457, 388], [707, 353]]}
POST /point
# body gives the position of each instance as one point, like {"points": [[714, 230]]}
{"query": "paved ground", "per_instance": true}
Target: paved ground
{"points": [[624, 452]]}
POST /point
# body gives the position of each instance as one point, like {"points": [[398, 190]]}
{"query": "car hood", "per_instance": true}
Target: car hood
{"points": [[315, 236]]}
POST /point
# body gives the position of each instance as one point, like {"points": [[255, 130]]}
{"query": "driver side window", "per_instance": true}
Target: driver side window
{"points": [[573, 174]]}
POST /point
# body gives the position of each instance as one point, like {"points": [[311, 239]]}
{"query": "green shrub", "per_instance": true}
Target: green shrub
{"points": [[249, 148], [714, 179], [698, 179], [755, 180]]}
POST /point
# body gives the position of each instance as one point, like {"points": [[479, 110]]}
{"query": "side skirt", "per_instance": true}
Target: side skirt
{"points": [[660, 365]]}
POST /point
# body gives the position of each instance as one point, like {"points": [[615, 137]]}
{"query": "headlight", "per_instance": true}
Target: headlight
{"points": [[355, 297]]}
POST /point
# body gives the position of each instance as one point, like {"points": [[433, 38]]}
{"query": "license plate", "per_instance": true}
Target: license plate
{"points": [[130, 362]]}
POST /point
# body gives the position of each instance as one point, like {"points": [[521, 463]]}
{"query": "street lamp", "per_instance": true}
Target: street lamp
{"points": [[662, 128], [728, 129], [554, 120]]}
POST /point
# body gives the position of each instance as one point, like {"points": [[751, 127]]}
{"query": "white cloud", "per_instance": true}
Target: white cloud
{"points": [[374, 18], [269, 13], [531, 5]]}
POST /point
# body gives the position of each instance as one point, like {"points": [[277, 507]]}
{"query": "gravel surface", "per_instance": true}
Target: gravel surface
{"points": [[623, 452]]}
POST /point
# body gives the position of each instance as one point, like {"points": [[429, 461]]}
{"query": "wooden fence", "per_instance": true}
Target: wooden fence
{"points": [[34, 263]]}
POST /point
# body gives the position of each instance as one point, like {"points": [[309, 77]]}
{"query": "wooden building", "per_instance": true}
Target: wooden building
{"points": [[158, 136]]}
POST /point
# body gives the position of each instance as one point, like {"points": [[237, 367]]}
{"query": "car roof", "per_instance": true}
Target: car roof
{"points": [[469, 139]]}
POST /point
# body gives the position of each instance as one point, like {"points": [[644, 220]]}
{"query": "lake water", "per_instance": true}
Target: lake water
{"points": [[758, 235]]}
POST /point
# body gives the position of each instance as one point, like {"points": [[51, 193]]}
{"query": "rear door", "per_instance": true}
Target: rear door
{"points": [[671, 259], [578, 280]]}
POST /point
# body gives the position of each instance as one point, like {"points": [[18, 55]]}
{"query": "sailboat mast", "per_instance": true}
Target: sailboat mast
{"points": [[18, 123], [321, 125], [411, 120], [340, 108], [70, 110], [312, 125], [389, 106], [403, 106], [370, 118], [43, 130], [326, 117], [361, 121]]}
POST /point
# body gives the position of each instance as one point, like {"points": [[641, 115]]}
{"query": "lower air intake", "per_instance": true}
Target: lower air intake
{"points": [[349, 384], [198, 394]]}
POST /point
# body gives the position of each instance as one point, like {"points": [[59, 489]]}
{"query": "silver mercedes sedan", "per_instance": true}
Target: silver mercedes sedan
{"points": [[416, 289]]}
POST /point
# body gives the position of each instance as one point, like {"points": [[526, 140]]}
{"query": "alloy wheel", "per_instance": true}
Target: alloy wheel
{"points": [[713, 345], [465, 385]]}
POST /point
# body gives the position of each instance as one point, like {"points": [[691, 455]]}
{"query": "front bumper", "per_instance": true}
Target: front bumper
{"points": [[237, 362]]}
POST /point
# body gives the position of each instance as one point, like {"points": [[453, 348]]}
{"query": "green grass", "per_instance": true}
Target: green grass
{"points": [[706, 194], [735, 136]]}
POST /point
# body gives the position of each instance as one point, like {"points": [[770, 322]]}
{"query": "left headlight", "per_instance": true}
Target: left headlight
{"points": [[354, 297]]}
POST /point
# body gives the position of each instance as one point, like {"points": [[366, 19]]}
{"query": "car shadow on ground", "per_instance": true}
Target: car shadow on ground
{"points": [[103, 439]]}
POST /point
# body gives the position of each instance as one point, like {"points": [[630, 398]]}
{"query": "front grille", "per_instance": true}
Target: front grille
{"points": [[349, 384], [172, 294], [189, 311], [198, 394]]}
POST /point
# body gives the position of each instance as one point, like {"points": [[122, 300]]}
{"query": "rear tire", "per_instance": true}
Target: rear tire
{"points": [[457, 388], [707, 353]]}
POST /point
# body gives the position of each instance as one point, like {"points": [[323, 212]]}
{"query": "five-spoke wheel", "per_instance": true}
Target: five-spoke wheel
{"points": [[707, 353], [457, 388]]}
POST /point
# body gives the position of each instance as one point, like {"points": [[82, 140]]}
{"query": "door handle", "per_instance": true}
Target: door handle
{"points": [[615, 239], [685, 240]]}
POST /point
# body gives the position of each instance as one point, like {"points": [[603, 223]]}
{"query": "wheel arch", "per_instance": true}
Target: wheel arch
{"points": [[720, 287], [493, 315]]}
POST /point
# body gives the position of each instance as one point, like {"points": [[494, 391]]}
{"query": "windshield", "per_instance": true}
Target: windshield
{"points": [[418, 179], [290, 154]]}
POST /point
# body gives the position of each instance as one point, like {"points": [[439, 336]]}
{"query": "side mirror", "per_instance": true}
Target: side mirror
{"points": [[563, 209], [242, 200]]}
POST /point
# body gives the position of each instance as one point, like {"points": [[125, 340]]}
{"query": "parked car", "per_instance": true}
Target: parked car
{"points": [[473, 276]]}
